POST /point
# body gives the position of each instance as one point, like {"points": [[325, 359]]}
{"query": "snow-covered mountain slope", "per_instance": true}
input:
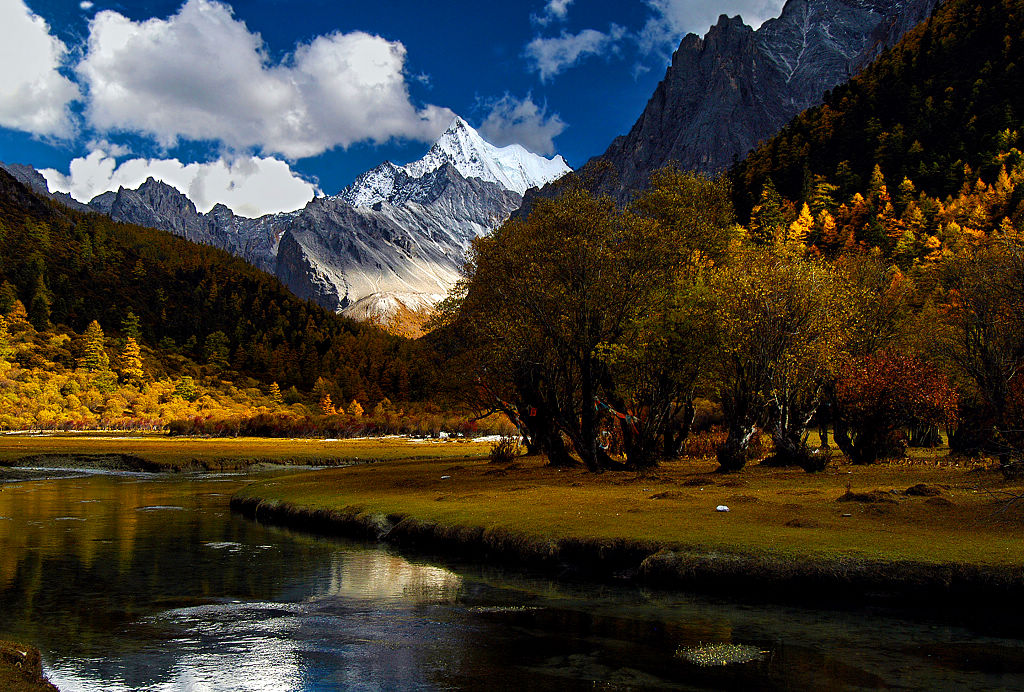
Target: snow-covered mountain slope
{"points": [[387, 248], [512, 167], [364, 261]]}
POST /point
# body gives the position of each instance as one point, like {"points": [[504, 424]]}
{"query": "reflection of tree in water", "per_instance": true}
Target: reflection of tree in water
{"points": [[65, 583], [377, 575]]}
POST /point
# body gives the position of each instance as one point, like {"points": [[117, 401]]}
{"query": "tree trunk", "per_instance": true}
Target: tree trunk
{"points": [[676, 432], [791, 449], [586, 445], [732, 455], [925, 436], [556, 451]]}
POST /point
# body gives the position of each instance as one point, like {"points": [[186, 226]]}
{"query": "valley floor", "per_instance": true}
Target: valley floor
{"points": [[930, 530]]}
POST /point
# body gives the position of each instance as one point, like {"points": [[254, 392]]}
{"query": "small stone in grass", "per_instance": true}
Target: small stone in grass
{"points": [[444, 478], [721, 508]]}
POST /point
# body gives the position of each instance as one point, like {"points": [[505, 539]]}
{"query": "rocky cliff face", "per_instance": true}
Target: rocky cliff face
{"points": [[727, 92], [364, 261]]}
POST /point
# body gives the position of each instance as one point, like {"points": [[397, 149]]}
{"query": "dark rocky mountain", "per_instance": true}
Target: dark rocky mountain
{"points": [[33, 180], [365, 261], [725, 93], [158, 205]]}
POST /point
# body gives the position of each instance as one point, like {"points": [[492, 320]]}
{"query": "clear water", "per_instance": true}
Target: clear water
{"points": [[135, 582]]}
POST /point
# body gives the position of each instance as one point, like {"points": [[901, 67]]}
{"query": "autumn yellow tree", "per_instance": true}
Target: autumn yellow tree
{"points": [[95, 358], [355, 410], [799, 231], [326, 405], [130, 363], [781, 330], [275, 394]]}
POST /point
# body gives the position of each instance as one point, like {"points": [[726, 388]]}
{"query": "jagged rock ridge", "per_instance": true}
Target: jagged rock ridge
{"points": [[724, 94]]}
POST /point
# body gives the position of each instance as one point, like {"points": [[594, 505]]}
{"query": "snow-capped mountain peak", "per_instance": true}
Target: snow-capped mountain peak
{"points": [[512, 167]]}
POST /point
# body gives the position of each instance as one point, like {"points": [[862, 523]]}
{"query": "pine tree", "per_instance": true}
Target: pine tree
{"points": [[275, 394], [876, 186], [39, 306], [768, 217], [823, 196], [131, 369], [186, 389], [5, 344], [95, 358], [326, 405], [905, 194], [217, 348], [8, 297], [18, 313], [130, 326]]}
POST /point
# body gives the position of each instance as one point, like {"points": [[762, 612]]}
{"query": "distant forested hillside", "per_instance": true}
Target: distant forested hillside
{"points": [[190, 302]]}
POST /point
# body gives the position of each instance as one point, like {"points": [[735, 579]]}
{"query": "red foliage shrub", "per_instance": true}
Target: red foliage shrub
{"points": [[885, 392]]}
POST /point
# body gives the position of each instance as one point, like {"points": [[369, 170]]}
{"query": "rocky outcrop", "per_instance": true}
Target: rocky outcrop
{"points": [[725, 93]]}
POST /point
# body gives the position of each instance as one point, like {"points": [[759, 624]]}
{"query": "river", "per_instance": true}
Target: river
{"points": [[149, 582]]}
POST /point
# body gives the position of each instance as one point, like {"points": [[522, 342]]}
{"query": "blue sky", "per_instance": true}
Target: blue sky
{"points": [[261, 103]]}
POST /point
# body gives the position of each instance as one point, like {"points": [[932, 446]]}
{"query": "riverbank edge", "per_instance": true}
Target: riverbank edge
{"points": [[21, 669], [135, 463], [649, 563]]}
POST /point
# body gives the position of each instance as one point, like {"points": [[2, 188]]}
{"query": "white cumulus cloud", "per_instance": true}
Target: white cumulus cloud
{"points": [[521, 121], [34, 96], [554, 10], [249, 185], [673, 19], [552, 56], [203, 75]]}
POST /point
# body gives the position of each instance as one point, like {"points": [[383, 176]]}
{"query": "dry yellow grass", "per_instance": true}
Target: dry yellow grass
{"points": [[780, 512], [174, 453]]}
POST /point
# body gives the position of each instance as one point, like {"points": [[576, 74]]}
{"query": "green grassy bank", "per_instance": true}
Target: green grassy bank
{"points": [[21, 669], [921, 530], [162, 453]]}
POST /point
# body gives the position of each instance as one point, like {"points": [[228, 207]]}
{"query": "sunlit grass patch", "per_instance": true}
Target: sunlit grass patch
{"points": [[175, 454], [774, 513]]}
